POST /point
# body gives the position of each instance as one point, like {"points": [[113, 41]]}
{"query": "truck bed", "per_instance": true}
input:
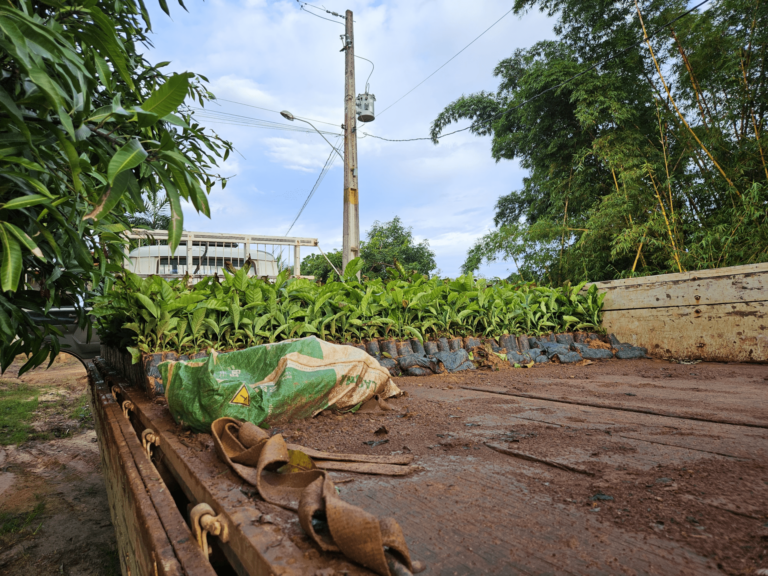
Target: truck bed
{"points": [[636, 467]]}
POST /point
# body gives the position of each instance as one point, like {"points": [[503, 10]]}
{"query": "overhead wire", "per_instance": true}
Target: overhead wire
{"points": [[373, 67], [323, 172], [240, 120], [560, 85], [447, 62], [303, 7], [275, 111]]}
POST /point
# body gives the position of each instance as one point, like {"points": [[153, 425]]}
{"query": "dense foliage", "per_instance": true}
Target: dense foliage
{"points": [[153, 315], [87, 126], [653, 162], [387, 243]]}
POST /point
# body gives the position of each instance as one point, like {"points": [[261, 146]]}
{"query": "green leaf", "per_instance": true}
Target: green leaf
{"points": [[25, 202], [176, 224], [9, 105], [49, 88], [168, 97], [105, 74], [175, 120], [129, 156], [10, 267], [26, 241], [111, 197], [23, 162], [144, 118], [353, 267], [17, 38], [148, 304]]}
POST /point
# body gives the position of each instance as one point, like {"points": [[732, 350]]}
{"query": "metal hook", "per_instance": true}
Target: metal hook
{"points": [[204, 522], [148, 439]]}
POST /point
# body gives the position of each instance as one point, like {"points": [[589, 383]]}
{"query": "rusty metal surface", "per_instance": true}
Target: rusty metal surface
{"points": [[142, 542], [727, 275], [189, 555], [720, 333], [255, 547], [716, 315]]}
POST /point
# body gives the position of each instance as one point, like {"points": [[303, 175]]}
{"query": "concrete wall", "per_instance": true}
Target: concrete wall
{"points": [[718, 315]]}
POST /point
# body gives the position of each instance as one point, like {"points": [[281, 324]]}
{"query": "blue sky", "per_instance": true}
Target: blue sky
{"points": [[273, 55]]}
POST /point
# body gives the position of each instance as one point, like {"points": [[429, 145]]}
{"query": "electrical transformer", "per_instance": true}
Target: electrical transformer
{"points": [[364, 107]]}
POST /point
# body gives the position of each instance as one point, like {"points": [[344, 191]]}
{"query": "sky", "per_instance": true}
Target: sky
{"points": [[273, 55]]}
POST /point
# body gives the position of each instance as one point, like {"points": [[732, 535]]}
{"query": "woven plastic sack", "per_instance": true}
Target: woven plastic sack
{"points": [[273, 383]]}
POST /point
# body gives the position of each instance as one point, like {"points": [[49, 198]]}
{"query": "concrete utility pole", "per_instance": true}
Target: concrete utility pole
{"points": [[351, 231]]}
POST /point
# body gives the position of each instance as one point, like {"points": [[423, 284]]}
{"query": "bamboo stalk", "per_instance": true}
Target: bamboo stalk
{"points": [[672, 100], [727, 244], [639, 249], [562, 240], [669, 229], [694, 83], [754, 122], [666, 164]]}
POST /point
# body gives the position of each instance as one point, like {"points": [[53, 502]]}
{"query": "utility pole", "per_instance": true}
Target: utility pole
{"points": [[351, 230]]}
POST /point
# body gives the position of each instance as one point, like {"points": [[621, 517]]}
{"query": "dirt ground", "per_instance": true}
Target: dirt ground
{"points": [[685, 483], [54, 514]]}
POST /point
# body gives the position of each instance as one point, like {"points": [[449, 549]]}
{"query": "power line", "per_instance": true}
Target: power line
{"points": [[373, 67], [322, 8], [563, 83], [303, 7], [275, 111], [447, 62], [239, 120], [323, 172]]}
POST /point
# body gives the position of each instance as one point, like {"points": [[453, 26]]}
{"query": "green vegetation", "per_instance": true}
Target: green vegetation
{"points": [[15, 524], [88, 130], [153, 315], [17, 405], [81, 411], [387, 242], [653, 162]]}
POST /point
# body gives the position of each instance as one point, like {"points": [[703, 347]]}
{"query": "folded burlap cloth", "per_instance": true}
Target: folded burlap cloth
{"points": [[305, 489]]}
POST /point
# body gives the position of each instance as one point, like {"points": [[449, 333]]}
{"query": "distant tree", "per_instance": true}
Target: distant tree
{"points": [[155, 213], [387, 242], [653, 160], [316, 265], [390, 241]]}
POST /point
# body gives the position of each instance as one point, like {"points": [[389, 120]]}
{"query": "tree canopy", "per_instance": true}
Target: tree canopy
{"points": [[87, 125], [652, 162], [389, 244]]}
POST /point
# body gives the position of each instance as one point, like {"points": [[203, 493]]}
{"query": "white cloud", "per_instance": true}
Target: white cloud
{"points": [[296, 155]]}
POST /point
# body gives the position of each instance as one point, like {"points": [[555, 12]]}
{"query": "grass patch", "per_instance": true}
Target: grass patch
{"points": [[81, 411], [14, 524], [17, 405]]}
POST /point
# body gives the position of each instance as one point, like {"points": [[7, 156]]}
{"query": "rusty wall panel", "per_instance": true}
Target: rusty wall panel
{"points": [[142, 543], [717, 315], [696, 291], [735, 332]]}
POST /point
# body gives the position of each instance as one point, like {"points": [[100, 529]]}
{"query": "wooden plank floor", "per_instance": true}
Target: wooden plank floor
{"points": [[475, 511], [646, 493]]}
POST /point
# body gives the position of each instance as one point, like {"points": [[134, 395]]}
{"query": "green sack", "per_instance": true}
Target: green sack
{"points": [[273, 383]]}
